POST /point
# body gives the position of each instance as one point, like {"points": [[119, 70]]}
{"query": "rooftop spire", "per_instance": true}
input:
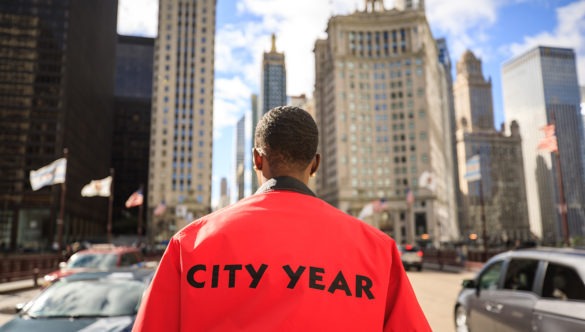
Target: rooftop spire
{"points": [[273, 49], [374, 6]]}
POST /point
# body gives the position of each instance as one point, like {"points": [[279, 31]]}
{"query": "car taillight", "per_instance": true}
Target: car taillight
{"points": [[419, 253]]}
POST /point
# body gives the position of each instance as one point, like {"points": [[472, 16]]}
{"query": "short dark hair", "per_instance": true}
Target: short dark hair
{"points": [[287, 136]]}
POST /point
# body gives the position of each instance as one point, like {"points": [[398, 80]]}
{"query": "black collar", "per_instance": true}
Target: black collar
{"points": [[285, 183]]}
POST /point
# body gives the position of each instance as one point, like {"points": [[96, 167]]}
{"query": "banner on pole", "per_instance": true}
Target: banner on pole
{"points": [[98, 188], [473, 169], [48, 175]]}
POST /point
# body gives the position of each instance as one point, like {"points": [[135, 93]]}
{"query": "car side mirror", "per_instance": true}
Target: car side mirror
{"points": [[18, 307], [469, 283], [62, 265]]}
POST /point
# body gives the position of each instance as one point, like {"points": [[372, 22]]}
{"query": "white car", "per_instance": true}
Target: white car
{"points": [[411, 256]]}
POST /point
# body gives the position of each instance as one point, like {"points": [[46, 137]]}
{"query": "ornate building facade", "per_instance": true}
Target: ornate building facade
{"points": [[382, 107]]}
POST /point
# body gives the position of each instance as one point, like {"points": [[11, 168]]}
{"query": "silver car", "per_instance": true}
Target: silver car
{"points": [[538, 289], [86, 301], [411, 256]]}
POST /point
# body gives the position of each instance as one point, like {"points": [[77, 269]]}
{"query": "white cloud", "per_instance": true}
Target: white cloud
{"points": [[570, 33], [297, 25], [231, 97], [138, 17], [463, 23]]}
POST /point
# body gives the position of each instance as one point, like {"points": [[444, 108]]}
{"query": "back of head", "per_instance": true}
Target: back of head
{"points": [[287, 137]]}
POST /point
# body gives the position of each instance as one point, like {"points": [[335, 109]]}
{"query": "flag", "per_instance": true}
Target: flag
{"points": [[366, 211], [160, 209], [98, 188], [181, 211], [380, 205], [473, 169], [51, 174], [136, 199], [376, 206], [427, 180], [409, 196], [549, 142]]}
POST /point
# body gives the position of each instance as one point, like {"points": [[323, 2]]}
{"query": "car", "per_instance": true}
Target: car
{"points": [[536, 289], [411, 256], [85, 301], [97, 257]]}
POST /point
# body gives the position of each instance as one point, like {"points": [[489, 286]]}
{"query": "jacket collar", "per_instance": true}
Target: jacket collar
{"points": [[285, 183]]}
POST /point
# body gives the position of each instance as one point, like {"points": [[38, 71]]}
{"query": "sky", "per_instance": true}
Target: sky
{"points": [[495, 30]]}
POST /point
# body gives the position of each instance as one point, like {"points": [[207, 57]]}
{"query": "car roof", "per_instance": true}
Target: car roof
{"points": [[141, 274], [108, 249], [567, 256]]}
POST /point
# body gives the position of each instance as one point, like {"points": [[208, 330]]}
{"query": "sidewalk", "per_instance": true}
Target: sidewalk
{"points": [[18, 285]]}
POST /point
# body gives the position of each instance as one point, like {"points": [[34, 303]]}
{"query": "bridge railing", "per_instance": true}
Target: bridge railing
{"points": [[25, 266], [20, 266], [456, 258]]}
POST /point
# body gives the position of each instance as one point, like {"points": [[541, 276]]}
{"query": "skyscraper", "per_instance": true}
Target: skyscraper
{"points": [[182, 117], [224, 194], [272, 91], [57, 74], [132, 114], [502, 174], [382, 109], [540, 87], [254, 121], [473, 94], [308, 105], [273, 79], [240, 157], [447, 86]]}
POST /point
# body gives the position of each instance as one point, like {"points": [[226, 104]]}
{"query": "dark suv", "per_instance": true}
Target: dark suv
{"points": [[539, 289]]}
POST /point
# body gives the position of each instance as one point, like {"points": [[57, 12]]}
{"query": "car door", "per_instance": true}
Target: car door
{"points": [[562, 305], [481, 316], [513, 304]]}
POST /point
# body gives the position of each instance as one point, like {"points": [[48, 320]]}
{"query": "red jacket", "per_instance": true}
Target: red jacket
{"points": [[280, 260]]}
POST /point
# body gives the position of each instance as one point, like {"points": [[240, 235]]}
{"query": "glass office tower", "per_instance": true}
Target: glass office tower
{"points": [[540, 87]]}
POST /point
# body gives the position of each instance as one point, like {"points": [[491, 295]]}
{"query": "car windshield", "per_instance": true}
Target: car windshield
{"points": [[87, 298], [93, 260]]}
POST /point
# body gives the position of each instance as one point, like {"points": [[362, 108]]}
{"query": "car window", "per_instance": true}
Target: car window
{"points": [[128, 259], [489, 277], [96, 261], [520, 274], [562, 283]]}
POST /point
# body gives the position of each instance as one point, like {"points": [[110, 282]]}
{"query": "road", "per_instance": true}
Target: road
{"points": [[436, 292], [9, 301]]}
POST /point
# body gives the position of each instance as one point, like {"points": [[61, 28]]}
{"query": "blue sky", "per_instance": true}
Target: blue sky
{"points": [[495, 30]]}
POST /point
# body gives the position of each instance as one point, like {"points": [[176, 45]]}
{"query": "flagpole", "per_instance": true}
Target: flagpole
{"points": [[140, 209], [410, 219], [60, 220], [562, 200], [110, 206], [483, 221], [563, 203]]}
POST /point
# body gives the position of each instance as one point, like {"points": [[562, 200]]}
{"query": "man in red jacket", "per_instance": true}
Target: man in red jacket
{"points": [[281, 259]]}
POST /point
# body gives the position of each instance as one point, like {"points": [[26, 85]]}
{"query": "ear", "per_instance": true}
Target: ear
{"points": [[315, 164], [257, 159]]}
